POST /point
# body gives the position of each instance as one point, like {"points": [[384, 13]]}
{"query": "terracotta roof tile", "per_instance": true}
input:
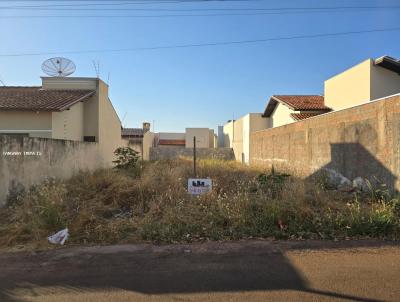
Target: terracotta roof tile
{"points": [[38, 99], [303, 116], [172, 142], [297, 103], [303, 102]]}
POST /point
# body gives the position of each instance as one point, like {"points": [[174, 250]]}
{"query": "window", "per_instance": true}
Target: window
{"points": [[89, 139]]}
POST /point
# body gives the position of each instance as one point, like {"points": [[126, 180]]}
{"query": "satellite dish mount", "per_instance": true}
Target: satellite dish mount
{"points": [[58, 67]]}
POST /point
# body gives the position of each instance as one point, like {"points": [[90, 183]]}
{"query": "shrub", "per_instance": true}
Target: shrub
{"points": [[127, 158]]}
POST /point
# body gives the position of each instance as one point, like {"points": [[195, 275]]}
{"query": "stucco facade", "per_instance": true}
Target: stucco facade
{"points": [[281, 116], [360, 84], [237, 134], [36, 124], [204, 137]]}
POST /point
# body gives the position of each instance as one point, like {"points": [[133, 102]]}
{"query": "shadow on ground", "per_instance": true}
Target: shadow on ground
{"points": [[234, 267]]}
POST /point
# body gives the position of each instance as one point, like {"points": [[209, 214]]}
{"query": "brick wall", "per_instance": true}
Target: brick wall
{"points": [[360, 141]]}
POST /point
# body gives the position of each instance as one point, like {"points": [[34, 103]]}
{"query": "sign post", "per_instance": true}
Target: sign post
{"points": [[194, 157], [198, 186]]}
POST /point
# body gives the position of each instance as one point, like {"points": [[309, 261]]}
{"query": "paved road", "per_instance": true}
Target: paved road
{"points": [[235, 271]]}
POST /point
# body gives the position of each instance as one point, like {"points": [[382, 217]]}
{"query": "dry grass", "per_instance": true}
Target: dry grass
{"points": [[111, 206]]}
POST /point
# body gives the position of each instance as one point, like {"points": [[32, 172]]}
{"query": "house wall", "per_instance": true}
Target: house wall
{"points": [[349, 88], [211, 139], [384, 82], [26, 122], [91, 116], [133, 143], [228, 133], [360, 84], [171, 136], [72, 83], [68, 124], [246, 139], [109, 126], [281, 116], [148, 142], [239, 139], [202, 137], [361, 141], [220, 137]]}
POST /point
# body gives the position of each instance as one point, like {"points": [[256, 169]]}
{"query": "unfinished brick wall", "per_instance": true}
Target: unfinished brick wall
{"points": [[360, 141]]}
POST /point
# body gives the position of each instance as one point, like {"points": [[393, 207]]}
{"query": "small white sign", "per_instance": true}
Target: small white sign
{"points": [[198, 186]]}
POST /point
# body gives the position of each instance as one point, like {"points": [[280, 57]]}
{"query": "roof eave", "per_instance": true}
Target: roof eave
{"points": [[76, 101]]}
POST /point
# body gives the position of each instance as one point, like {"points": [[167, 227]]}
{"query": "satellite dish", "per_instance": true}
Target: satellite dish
{"points": [[58, 67]]}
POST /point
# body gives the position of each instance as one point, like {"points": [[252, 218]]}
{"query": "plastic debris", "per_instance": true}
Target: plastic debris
{"points": [[59, 237]]}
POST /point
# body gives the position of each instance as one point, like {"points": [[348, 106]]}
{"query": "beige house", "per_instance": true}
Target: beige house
{"points": [[77, 109], [133, 137], [286, 109], [369, 80], [236, 134], [204, 137]]}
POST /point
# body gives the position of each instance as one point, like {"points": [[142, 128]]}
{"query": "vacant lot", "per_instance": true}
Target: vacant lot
{"points": [[152, 204]]}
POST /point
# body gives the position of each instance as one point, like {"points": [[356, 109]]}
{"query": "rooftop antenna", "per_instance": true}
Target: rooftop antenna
{"points": [[96, 66], [2, 82], [123, 119], [58, 67]]}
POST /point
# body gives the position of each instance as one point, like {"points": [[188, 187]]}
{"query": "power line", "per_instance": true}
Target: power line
{"points": [[169, 15], [88, 4], [298, 37], [199, 9]]}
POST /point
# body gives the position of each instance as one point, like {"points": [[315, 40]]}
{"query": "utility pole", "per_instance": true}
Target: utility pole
{"points": [[194, 157]]}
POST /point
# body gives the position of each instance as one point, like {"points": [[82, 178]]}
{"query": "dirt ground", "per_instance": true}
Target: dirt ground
{"points": [[365, 270]]}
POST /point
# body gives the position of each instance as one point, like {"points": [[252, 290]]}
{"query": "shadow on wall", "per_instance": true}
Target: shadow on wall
{"points": [[352, 160], [143, 270]]}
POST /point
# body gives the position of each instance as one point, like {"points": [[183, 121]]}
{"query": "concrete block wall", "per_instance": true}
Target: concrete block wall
{"points": [[162, 152], [27, 160], [360, 141]]}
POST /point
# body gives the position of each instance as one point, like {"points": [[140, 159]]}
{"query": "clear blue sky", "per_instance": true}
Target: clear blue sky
{"points": [[205, 86]]}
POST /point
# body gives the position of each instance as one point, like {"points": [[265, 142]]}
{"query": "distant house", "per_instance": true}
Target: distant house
{"points": [[367, 81], [205, 138], [236, 134], [170, 139], [76, 109], [133, 137], [286, 109]]}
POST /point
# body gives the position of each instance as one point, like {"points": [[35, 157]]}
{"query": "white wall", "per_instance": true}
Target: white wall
{"points": [[237, 134], [281, 115]]}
